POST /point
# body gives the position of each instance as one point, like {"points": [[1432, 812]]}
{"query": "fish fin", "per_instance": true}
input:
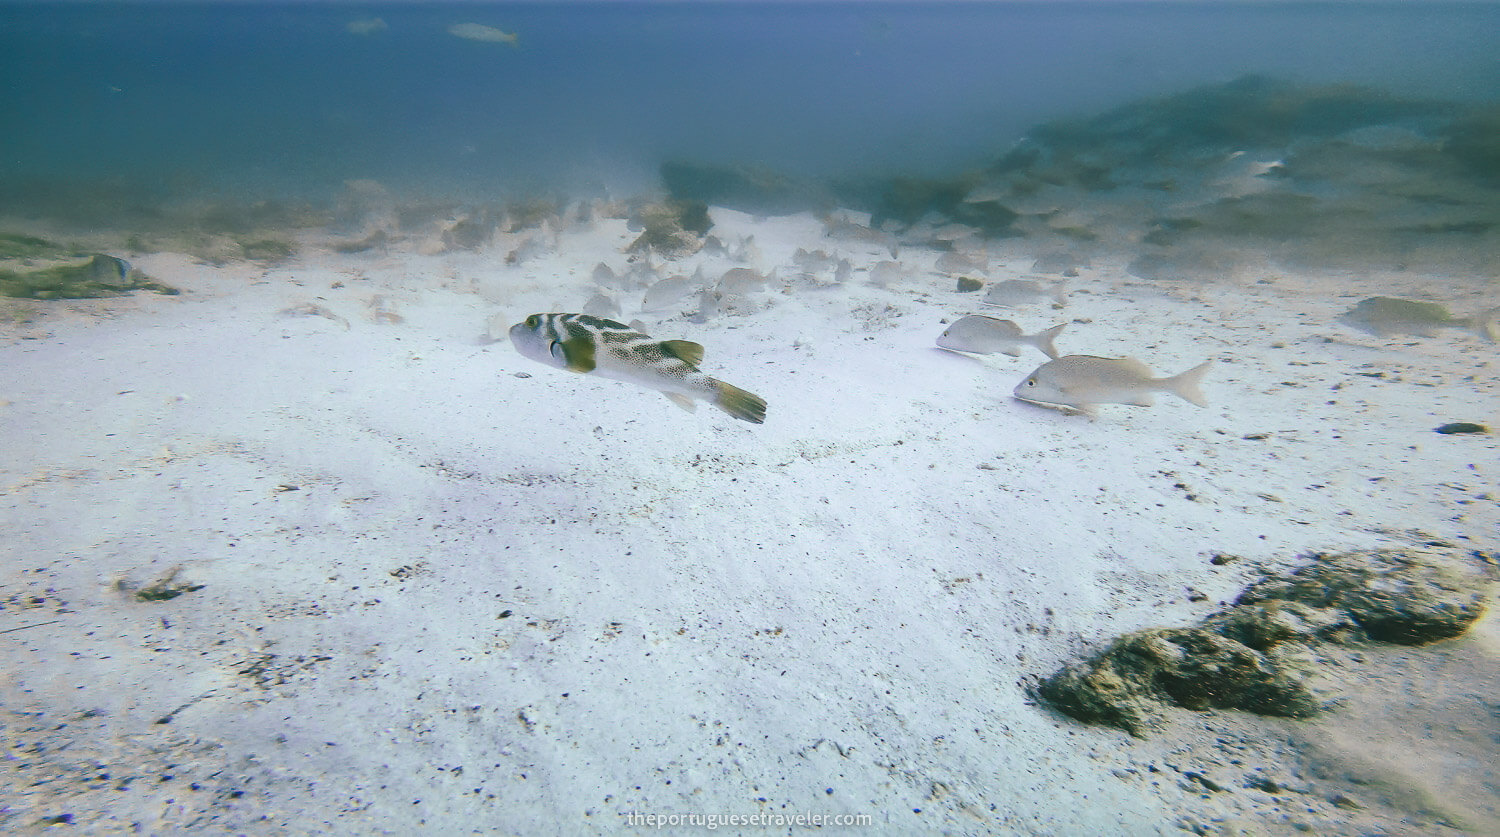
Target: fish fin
{"points": [[1142, 401], [739, 403], [577, 354], [684, 350], [1011, 352], [1187, 385], [682, 401], [1043, 340], [1488, 325]]}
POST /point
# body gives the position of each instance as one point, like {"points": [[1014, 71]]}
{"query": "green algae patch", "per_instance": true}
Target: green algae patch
{"points": [[99, 276], [163, 589], [267, 250], [15, 246]]}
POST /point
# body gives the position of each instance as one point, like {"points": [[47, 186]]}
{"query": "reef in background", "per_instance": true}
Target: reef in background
{"points": [[1196, 183]]}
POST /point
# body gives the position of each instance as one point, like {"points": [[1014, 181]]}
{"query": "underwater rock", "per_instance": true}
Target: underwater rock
{"points": [[1249, 112], [1128, 684], [906, 200], [469, 233], [100, 276], [1265, 625], [753, 190], [1407, 597], [1246, 657], [673, 228], [1473, 142]]}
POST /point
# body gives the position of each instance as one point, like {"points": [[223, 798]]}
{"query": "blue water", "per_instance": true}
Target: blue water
{"points": [[282, 99]]}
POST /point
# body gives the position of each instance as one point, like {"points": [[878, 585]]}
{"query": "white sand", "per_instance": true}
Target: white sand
{"points": [[438, 595]]}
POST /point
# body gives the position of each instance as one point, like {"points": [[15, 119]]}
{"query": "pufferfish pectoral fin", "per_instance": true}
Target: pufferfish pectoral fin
{"points": [[682, 401], [576, 354], [684, 350]]}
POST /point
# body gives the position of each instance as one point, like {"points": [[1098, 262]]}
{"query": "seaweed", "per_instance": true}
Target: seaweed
{"points": [[15, 246], [100, 276], [267, 250]]}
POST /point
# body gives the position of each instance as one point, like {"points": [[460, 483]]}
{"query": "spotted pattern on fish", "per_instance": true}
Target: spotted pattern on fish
{"points": [[588, 344]]}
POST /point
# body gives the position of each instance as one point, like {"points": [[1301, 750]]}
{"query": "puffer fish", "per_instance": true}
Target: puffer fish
{"points": [[1387, 316], [594, 345], [1079, 381], [983, 334]]}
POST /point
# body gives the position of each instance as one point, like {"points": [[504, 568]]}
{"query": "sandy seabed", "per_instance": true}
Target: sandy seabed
{"points": [[421, 584]]}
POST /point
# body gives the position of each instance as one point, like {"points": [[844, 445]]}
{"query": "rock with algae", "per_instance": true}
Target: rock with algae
{"points": [[1407, 597], [672, 228], [1242, 658], [100, 276], [1128, 683]]}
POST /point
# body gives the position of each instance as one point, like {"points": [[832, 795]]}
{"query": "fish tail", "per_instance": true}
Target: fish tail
{"points": [[739, 403], [1188, 385], [1488, 325], [1043, 340]]}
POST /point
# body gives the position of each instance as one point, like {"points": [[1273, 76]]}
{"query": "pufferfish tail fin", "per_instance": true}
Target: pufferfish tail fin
{"points": [[739, 403]]}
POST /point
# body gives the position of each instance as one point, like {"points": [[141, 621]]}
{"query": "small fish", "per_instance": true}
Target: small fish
{"points": [[985, 335], [605, 276], [312, 309], [954, 262], [666, 293], [1079, 381], [602, 305], [1386, 316], [366, 26], [588, 344], [743, 280], [885, 274], [1014, 292], [815, 261], [480, 32]]}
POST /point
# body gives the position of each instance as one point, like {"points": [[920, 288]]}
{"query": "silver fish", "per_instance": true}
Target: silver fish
{"points": [[666, 293], [886, 273], [954, 262], [1080, 381], [1014, 292], [594, 345], [743, 280], [985, 335], [1386, 316], [482, 33], [602, 304]]}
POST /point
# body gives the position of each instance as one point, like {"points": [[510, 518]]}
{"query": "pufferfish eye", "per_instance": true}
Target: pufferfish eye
{"points": [[1031, 382], [532, 320]]}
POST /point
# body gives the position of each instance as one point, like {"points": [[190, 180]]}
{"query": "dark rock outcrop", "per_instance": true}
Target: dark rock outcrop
{"points": [[1247, 657]]}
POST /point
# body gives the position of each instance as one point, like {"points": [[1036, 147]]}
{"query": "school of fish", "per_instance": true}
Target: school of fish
{"points": [[590, 343]]}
